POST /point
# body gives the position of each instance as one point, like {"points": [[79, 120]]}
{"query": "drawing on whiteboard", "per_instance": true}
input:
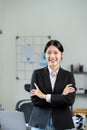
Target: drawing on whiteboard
{"points": [[28, 53]]}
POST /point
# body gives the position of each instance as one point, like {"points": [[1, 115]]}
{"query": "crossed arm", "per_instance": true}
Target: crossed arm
{"points": [[37, 92]]}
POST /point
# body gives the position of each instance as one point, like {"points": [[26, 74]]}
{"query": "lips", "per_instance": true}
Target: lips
{"points": [[52, 61]]}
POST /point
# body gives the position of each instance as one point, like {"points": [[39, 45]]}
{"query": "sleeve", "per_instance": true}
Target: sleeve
{"points": [[58, 100], [48, 98], [36, 101]]}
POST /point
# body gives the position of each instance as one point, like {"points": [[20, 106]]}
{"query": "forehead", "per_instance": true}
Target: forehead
{"points": [[52, 48]]}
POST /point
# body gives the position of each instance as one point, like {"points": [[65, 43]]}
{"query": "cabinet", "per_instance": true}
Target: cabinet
{"points": [[80, 105], [81, 82]]}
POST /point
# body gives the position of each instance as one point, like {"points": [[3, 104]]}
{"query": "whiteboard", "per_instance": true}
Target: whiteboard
{"points": [[29, 55]]}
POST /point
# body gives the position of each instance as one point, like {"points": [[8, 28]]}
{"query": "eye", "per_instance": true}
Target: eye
{"points": [[49, 52], [56, 52]]}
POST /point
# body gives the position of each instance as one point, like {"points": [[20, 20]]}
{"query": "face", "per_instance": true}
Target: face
{"points": [[53, 56]]}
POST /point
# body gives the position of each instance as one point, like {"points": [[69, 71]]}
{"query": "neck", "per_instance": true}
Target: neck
{"points": [[54, 68]]}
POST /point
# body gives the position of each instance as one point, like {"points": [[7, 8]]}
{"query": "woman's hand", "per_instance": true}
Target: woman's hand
{"points": [[37, 92], [68, 89]]}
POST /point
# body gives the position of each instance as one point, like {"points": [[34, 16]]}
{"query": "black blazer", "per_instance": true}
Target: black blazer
{"points": [[59, 108]]}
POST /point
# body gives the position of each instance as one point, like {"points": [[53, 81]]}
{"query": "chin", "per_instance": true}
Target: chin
{"points": [[53, 65]]}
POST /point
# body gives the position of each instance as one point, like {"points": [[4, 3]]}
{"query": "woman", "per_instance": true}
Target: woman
{"points": [[52, 92]]}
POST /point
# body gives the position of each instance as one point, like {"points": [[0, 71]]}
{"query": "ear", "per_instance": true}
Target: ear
{"points": [[62, 54]]}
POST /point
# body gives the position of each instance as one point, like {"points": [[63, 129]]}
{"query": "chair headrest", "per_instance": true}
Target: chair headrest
{"points": [[27, 87]]}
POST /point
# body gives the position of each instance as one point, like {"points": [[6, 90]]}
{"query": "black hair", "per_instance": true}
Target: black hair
{"points": [[55, 43]]}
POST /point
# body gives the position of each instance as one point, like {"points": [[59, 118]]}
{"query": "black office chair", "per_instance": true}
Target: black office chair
{"points": [[27, 87], [25, 106]]}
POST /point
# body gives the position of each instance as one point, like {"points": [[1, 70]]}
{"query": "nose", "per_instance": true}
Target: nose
{"points": [[52, 55]]}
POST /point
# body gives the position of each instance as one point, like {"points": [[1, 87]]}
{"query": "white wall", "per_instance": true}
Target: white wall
{"points": [[64, 20], [1, 51]]}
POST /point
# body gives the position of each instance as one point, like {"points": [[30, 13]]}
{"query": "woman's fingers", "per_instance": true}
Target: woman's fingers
{"points": [[69, 85], [35, 91], [71, 89], [68, 89], [36, 85]]}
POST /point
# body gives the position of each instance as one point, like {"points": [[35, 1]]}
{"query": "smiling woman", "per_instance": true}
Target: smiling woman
{"points": [[58, 18], [52, 92], [54, 54]]}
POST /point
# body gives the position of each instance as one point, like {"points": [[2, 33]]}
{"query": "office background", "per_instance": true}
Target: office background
{"points": [[64, 20]]}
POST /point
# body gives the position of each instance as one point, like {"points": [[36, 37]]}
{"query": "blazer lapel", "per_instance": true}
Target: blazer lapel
{"points": [[58, 82], [46, 78]]}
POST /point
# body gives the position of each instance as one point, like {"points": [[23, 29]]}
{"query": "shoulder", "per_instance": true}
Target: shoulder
{"points": [[41, 70], [65, 71]]}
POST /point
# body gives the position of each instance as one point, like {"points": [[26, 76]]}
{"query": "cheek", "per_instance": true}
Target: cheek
{"points": [[59, 57]]}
